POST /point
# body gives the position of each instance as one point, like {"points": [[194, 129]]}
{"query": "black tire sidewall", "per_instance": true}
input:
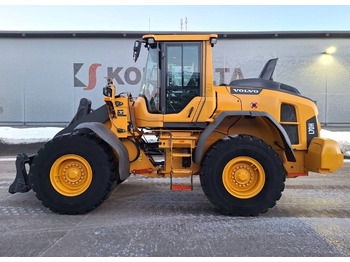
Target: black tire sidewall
{"points": [[224, 151], [92, 152]]}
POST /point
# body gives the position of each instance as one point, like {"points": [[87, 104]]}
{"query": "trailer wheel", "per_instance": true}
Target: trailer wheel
{"points": [[73, 174], [242, 175]]}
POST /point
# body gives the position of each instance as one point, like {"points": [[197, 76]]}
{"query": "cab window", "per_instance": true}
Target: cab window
{"points": [[150, 82], [183, 75]]}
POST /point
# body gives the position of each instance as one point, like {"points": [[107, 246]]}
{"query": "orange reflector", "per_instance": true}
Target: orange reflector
{"points": [[296, 174], [181, 187], [141, 171]]}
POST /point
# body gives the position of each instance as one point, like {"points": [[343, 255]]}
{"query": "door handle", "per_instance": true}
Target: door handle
{"points": [[191, 110]]}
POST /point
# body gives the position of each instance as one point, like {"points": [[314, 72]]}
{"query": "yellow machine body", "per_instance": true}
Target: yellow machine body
{"points": [[323, 156], [243, 138], [176, 134]]}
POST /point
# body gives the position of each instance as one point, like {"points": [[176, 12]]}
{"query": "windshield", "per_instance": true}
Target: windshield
{"points": [[149, 85]]}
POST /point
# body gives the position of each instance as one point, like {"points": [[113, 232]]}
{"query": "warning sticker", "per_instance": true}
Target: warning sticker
{"points": [[254, 105]]}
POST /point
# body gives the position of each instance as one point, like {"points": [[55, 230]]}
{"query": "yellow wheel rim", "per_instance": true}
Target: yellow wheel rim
{"points": [[71, 175], [243, 177]]}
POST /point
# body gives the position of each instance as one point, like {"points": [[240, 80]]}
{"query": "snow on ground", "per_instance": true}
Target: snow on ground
{"points": [[10, 135]]}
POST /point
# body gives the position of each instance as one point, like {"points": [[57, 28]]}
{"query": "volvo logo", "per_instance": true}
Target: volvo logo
{"points": [[247, 91]]}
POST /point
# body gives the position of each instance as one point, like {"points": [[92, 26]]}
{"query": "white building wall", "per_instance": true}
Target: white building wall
{"points": [[43, 79], [324, 78]]}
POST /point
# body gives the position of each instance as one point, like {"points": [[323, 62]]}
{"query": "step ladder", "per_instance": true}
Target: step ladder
{"points": [[184, 152], [182, 171]]}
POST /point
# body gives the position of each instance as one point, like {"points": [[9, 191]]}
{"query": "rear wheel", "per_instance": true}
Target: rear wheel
{"points": [[242, 175], [73, 174]]}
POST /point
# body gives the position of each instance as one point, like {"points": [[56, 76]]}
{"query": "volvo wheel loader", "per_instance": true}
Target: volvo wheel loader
{"points": [[243, 138]]}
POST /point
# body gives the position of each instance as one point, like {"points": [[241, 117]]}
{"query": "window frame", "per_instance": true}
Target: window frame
{"points": [[164, 66], [158, 84]]}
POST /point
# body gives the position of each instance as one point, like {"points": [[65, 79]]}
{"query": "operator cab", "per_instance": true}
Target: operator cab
{"points": [[172, 83], [180, 78]]}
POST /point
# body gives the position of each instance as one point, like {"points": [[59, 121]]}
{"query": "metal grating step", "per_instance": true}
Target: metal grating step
{"points": [[176, 187]]}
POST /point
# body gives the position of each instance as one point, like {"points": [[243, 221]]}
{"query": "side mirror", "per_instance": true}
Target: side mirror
{"points": [[137, 48]]}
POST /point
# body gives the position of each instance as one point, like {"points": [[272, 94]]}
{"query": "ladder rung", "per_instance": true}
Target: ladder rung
{"points": [[182, 171], [181, 154]]}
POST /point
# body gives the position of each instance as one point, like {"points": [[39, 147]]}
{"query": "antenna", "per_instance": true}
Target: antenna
{"points": [[186, 23], [181, 23]]}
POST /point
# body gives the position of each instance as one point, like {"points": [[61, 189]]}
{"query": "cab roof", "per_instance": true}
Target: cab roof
{"points": [[187, 37]]}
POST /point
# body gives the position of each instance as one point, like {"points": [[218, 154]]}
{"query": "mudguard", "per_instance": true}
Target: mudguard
{"points": [[198, 152], [107, 135]]}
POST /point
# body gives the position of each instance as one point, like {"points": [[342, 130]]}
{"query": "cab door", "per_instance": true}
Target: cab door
{"points": [[182, 82]]}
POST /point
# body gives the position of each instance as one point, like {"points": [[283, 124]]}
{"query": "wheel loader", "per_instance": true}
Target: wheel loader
{"points": [[243, 138]]}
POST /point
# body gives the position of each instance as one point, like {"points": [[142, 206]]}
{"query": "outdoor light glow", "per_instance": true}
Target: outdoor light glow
{"points": [[330, 50]]}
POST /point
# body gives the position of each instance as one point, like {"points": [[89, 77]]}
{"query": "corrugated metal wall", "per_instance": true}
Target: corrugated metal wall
{"points": [[43, 79]]}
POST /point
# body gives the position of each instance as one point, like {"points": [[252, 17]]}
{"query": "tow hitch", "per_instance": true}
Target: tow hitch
{"points": [[22, 181]]}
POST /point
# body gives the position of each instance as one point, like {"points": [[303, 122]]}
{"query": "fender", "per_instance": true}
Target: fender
{"points": [[107, 135], [198, 152]]}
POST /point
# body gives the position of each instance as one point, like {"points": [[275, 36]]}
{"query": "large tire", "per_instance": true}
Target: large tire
{"points": [[242, 176], [73, 174]]}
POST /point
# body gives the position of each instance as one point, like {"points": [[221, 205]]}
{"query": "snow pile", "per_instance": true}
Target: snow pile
{"points": [[10, 135], [343, 139]]}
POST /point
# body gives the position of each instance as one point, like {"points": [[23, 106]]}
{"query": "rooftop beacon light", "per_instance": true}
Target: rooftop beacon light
{"points": [[330, 50]]}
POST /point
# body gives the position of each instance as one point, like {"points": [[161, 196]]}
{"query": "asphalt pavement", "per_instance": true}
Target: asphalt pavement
{"points": [[143, 218]]}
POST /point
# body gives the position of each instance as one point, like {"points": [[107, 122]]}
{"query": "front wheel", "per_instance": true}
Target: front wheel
{"points": [[242, 175], [73, 174]]}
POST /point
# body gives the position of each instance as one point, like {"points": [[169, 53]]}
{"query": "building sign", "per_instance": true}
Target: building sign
{"points": [[132, 75], [122, 75]]}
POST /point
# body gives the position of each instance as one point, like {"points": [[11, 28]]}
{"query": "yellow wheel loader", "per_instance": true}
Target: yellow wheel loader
{"points": [[243, 139]]}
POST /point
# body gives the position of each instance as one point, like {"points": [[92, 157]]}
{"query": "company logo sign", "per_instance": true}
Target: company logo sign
{"points": [[223, 71], [245, 91], [121, 75], [85, 75]]}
